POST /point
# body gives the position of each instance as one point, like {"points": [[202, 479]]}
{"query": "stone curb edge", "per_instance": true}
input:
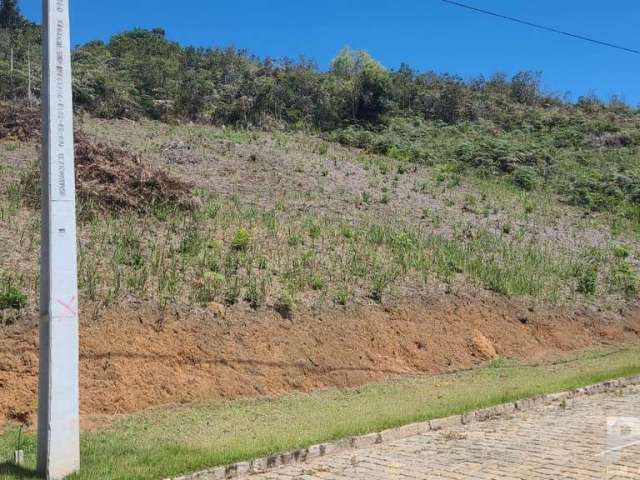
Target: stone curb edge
{"points": [[302, 455]]}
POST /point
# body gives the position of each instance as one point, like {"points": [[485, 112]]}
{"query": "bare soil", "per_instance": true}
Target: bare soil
{"points": [[132, 359]]}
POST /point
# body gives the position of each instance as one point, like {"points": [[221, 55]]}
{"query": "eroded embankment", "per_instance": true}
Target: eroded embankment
{"points": [[130, 361]]}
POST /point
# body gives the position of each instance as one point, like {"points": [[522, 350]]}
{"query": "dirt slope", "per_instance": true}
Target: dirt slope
{"points": [[130, 361]]}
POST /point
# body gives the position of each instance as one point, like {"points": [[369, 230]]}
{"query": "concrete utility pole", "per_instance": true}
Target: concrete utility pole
{"points": [[58, 396]]}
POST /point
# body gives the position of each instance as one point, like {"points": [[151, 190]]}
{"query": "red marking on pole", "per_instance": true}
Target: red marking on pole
{"points": [[69, 306]]}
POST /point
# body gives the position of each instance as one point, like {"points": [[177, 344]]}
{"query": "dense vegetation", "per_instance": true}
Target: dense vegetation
{"points": [[587, 150]]}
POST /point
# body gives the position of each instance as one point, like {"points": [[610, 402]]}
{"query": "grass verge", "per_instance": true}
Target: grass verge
{"points": [[170, 441]]}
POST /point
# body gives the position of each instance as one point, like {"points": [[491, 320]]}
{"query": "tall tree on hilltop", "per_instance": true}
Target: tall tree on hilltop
{"points": [[10, 21], [10, 16], [366, 82]]}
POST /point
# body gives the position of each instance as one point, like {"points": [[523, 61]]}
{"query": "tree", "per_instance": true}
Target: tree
{"points": [[450, 106], [525, 87], [367, 82], [404, 87], [10, 17], [10, 21]]}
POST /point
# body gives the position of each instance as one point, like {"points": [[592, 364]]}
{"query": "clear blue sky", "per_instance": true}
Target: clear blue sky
{"points": [[427, 34]]}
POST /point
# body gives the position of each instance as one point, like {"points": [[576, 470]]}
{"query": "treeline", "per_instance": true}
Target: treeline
{"points": [[20, 53], [142, 74], [586, 151]]}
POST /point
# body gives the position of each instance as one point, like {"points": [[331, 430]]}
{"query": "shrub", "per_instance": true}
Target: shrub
{"points": [[525, 177], [285, 304], [587, 281], [317, 283], [315, 232], [254, 295], [603, 190], [382, 145], [11, 297], [341, 297], [625, 280], [450, 105], [380, 284], [241, 240], [525, 88], [211, 284], [620, 251]]}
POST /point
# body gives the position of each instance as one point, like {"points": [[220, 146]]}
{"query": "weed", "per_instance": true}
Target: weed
{"points": [[263, 263], [525, 177], [295, 239], [285, 304], [587, 281], [625, 280], [620, 251], [341, 297], [381, 282], [322, 148], [241, 240], [254, 295], [11, 297], [316, 282], [210, 288], [347, 232], [232, 293], [315, 232]]}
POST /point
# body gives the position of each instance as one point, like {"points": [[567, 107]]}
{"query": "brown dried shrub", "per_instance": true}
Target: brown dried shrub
{"points": [[19, 121], [115, 179], [107, 177]]}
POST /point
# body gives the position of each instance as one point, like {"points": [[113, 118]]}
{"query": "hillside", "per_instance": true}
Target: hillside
{"points": [[250, 226], [298, 263], [281, 218]]}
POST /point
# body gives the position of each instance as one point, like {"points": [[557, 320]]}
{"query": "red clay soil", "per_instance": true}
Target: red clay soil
{"points": [[129, 361]]}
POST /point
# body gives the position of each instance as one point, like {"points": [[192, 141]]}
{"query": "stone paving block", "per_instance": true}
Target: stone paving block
{"points": [[366, 441], [446, 423], [399, 433], [538, 441]]}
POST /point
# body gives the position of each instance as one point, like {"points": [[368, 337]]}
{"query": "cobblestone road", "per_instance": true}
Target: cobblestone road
{"points": [[548, 443]]}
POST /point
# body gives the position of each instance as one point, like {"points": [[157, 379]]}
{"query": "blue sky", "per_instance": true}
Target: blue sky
{"points": [[427, 34]]}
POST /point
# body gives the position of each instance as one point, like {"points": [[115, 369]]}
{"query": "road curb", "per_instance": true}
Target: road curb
{"points": [[298, 456]]}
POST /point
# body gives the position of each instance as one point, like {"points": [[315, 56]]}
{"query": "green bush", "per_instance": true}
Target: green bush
{"points": [[341, 297], [316, 282], [11, 297], [625, 280], [587, 281], [254, 294], [241, 240], [596, 191], [620, 251], [285, 303], [525, 177]]}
